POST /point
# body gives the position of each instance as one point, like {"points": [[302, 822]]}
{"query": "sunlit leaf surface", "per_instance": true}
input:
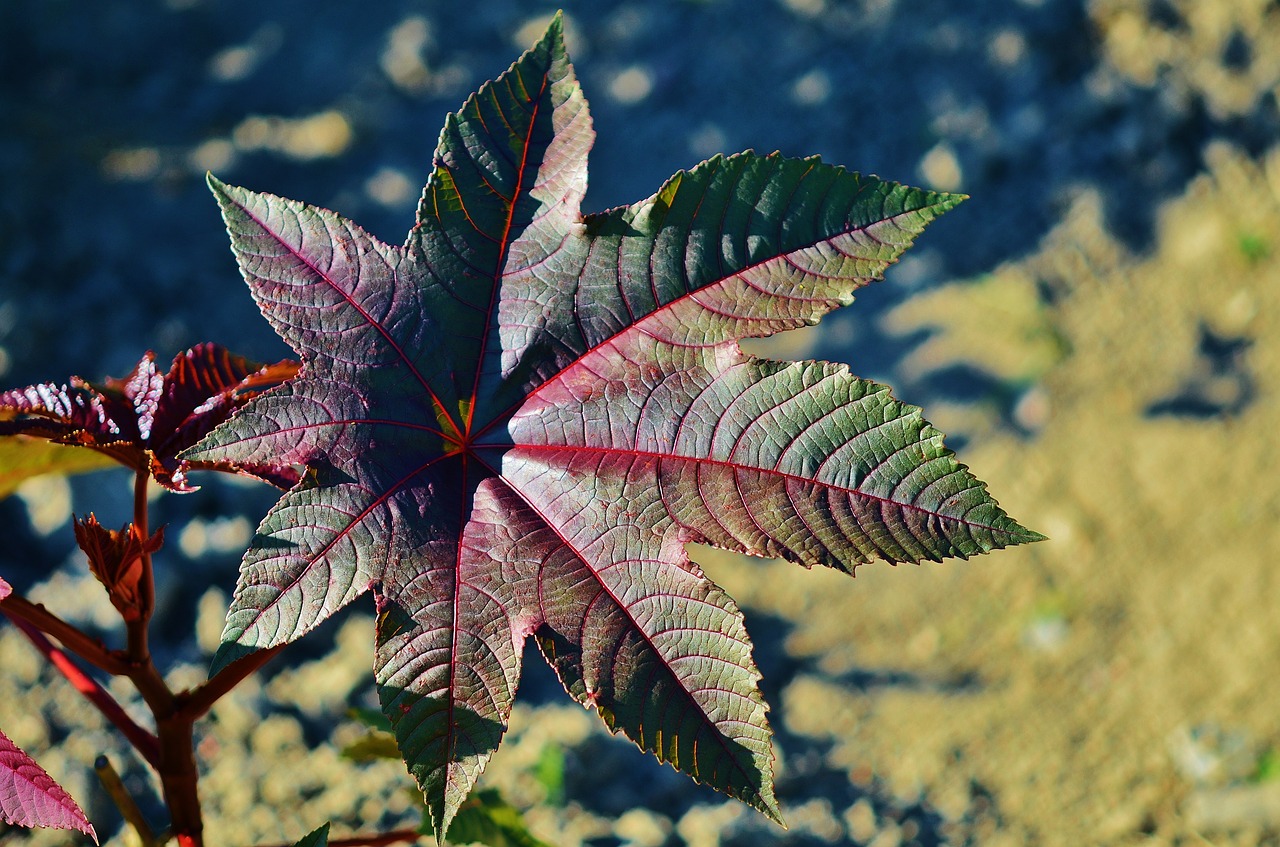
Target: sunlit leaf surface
{"points": [[514, 422]]}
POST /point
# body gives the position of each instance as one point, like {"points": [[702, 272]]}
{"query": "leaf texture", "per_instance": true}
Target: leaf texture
{"points": [[513, 424], [29, 796]]}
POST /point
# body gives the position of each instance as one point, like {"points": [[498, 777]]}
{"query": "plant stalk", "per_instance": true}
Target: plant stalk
{"points": [[138, 649], [124, 801], [176, 762], [179, 778], [144, 742], [93, 651]]}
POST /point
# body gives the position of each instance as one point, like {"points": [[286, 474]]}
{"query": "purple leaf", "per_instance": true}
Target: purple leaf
{"points": [[515, 422], [29, 796], [145, 419]]}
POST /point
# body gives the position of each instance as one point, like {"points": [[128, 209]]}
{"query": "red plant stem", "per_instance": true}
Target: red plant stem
{"points": [[178, 777], [144, 742], [171, 750], [376, 840], [93, 651], [200, 699], [138, 649], [176, 761]]}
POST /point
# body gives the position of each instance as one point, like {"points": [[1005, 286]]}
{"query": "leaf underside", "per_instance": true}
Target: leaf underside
{"points": [[514, 422], [28, 795]]}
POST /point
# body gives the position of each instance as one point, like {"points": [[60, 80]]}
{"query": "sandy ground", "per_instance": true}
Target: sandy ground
{"points": [[1095, 330]]}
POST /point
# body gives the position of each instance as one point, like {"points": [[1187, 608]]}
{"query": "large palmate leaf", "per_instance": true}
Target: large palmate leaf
{"points": [[515, 422]]}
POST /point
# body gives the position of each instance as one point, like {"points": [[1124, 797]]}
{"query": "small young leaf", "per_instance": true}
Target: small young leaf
{"points": [[318, 837], [514, 423], [115, 558], [145, 419], [28, 795]]}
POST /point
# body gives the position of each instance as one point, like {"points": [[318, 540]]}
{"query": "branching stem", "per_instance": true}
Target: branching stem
{"points": [[93, 651], [200, 699], [144, 742]]}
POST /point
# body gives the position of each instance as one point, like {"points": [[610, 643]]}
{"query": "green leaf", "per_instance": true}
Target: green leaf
{"points": [[23, 457], [485, 818], [372, 718], [371, 747]]}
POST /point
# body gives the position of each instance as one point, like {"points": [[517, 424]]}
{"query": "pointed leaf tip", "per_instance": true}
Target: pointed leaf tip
{"points": [[228, 653], [553, 40], [30, 797], [318, 837], [1028, 536]]}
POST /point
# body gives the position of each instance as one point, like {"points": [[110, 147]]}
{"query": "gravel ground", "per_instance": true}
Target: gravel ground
{"points": [[1104, 358]]}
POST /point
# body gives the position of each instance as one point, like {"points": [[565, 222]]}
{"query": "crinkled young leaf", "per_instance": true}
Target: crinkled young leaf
{"points": [[516, 421], [28, 795], [115, 558], [145, 419]]}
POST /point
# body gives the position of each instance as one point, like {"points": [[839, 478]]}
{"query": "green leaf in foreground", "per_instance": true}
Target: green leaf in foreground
{"points": [[515, 422]]}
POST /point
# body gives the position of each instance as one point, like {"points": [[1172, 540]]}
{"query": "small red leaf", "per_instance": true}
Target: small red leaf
{"points": [[146, 418], [30, 797], [5, 589], [115, 558]]}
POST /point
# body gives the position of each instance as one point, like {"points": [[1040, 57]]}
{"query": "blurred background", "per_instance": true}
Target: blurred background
{"points": [[1094, 329]]}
